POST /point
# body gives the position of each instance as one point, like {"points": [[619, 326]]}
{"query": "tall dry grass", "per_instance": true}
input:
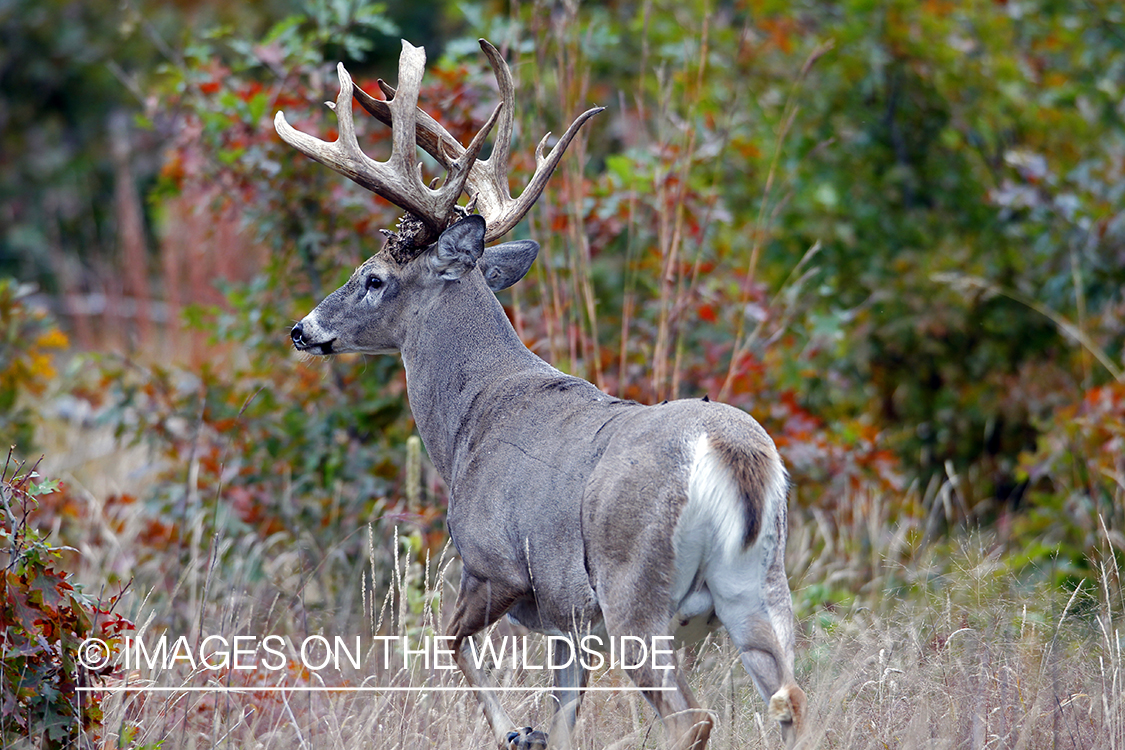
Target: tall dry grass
{"points": [[975, 663], [991, 667], [949, 652]]}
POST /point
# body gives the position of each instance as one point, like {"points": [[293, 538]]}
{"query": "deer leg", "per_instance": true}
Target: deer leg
{"points": [[569, 681], [761, 626], [570, 678], [479, 604], [772, 673], [687, 724]]}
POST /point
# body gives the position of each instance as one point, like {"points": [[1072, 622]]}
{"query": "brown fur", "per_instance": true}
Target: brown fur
{"points": [[750, 466]]}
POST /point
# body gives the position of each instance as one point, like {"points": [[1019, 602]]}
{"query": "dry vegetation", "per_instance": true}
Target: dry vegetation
{"points": [[990, 672], [949, 653]]}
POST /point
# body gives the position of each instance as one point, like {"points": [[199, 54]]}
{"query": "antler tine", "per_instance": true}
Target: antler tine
{"points": [[490, 183], [404, 126], [498, 159], [430, 133], [396, 179], [545, 166]]}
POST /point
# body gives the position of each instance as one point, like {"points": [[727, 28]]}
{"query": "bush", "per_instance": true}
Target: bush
{"points": [[28, 339], [45, 618]]}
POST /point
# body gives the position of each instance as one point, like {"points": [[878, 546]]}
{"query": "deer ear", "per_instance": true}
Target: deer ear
{"points": [[504, 265], [458, 248]]}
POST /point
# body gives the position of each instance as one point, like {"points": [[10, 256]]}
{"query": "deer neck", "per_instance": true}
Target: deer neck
{"points": [[462, 348]]}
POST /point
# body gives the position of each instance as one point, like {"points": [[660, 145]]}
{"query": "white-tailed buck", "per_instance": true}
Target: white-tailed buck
{"points": [[574, 512]]}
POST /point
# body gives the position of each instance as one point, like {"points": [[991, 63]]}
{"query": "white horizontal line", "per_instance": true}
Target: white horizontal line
{"points": [[320, 689]]}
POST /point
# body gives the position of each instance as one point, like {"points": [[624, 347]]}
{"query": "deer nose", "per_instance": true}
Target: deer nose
{"points": [[298, 336]]}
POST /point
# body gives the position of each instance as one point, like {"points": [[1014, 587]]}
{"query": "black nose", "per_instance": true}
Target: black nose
{"points": [[298, 335]]}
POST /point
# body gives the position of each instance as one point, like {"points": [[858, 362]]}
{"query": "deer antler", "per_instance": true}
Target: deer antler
{"points": [[486, 180], [399, 178]]}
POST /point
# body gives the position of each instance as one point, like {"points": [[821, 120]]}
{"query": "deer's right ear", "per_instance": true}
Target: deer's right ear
{"points": [[458, 248], [505, 264]]}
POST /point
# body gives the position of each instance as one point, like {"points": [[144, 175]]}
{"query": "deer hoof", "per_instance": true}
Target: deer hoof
{"points": [[526, 739]]}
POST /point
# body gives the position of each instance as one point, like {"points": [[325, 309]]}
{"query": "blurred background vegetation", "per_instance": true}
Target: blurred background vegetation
{"points": [[892, 231]]}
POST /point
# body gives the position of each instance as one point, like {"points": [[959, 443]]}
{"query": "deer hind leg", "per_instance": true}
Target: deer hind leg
{"points": [[766, 661], [686, 724], [479, 604], [761, 626]]}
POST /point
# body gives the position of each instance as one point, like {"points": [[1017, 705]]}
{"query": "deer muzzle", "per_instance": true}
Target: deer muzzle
{"points": [[304, 345]]}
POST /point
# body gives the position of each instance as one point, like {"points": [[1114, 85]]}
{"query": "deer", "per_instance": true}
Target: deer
{"points": [[572, 512]]}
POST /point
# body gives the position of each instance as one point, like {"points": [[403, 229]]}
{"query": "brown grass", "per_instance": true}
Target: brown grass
{"points": [[928, 673], [950, 652]]}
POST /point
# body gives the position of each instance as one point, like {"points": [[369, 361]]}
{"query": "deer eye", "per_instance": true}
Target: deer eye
{"points": [[374, 282]]}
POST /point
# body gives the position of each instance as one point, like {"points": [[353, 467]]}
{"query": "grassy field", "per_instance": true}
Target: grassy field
{"points": [[946, 651]]}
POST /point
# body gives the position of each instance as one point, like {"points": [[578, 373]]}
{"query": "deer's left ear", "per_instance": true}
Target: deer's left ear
{"points": [[504, 265], [458, 248]]}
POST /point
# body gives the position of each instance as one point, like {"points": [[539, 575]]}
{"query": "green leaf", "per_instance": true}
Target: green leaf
{"points": [[46, 487]]}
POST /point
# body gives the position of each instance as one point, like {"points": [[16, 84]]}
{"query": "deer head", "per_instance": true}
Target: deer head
{"points": [[446, 253]]}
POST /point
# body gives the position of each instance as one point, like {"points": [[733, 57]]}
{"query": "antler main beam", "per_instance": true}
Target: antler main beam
{"points": [[485, 180]]}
